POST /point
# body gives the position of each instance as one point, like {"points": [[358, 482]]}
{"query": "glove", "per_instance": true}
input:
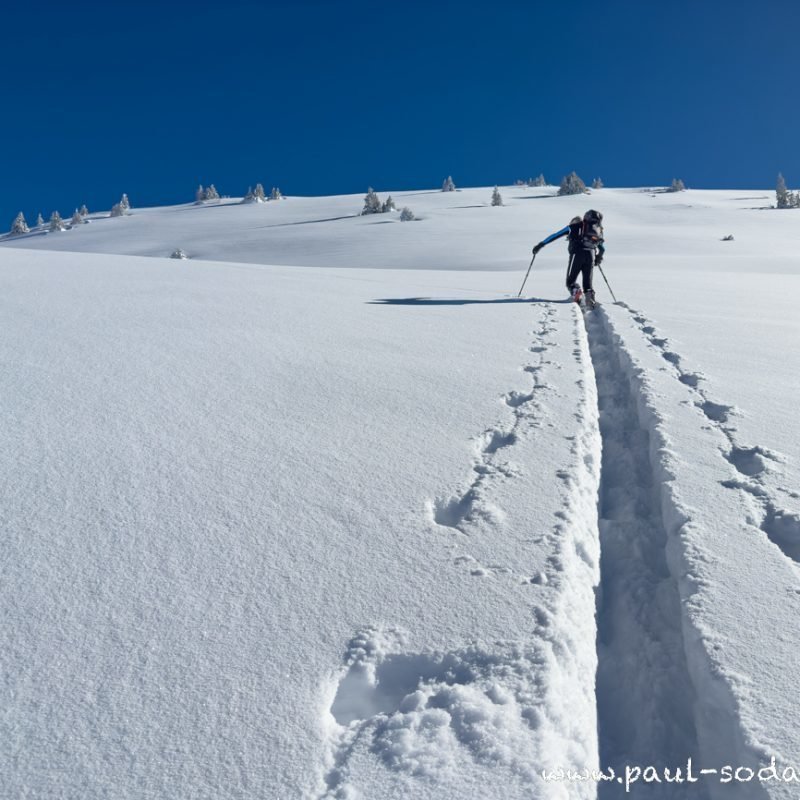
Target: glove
{"points": [[599, 260], [537, 248]]}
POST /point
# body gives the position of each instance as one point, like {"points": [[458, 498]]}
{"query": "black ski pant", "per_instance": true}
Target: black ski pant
{"points": [[581, 261]]}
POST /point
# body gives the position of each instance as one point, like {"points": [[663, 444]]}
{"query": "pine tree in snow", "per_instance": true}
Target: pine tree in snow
{"points": [[77, 219], [540, 181], [19, 225], [211, 193], [571, 184], [39, 220], [117, 210], [676, 186], [388, 205], [597, 183], [84, 211], [255, 195], [125, 203], [181, 254], [782, 194], [372, 203], [497, 198], [56, 223], [200, 194], [448, 185], [275, 194], [407, 215]]}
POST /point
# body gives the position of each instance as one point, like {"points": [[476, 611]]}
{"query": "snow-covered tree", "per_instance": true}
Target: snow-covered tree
{"points": [[84, 212], [782, 194], [597, 183], [571, 184], [211, 193], [407, 215], [497, 198], [56, 223], [676, 186], [372, 203], [125, 203], [19, 225], [255, 195], [448, 185], [200, 194], [39, 220], [178, 254], [388, 205], [275, 194], [117, 210], [540, 181], [77, 219]]}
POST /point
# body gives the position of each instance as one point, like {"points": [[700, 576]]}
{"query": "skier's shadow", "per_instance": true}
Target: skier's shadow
{"points": [[443, 301]]}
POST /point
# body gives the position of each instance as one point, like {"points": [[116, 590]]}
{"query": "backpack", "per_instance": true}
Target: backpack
{"points": [[586, 233], [592, 230]]}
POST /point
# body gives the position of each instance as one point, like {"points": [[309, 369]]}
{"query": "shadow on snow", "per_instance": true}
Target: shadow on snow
{"points": [[443, 301]]}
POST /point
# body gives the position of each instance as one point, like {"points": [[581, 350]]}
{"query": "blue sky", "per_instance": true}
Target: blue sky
{"points": [[330, 97]]}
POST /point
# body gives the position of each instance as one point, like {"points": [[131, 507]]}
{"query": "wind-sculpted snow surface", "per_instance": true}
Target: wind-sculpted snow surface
{"points": [[730, 536]]}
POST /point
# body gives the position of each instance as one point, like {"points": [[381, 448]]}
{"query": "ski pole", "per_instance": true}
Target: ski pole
{"points": [[526, 275], [607, 283]]}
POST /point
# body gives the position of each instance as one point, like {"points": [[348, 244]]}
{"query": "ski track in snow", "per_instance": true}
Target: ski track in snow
{"points": [[645, 696], [753, 462], [417, 709]]}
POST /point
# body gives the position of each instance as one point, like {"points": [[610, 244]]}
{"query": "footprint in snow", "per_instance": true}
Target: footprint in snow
{"points": [[495, 440], [750, 461], [691, 379], [673, 358], [716, 412], [517, 399], [418, 711]]}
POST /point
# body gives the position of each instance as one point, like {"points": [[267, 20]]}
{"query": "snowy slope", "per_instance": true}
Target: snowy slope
{"points": [[665, 254], [334, 532], [235, 489]]}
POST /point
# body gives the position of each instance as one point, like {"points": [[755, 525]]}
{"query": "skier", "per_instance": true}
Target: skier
{"points": [[586, 249]]}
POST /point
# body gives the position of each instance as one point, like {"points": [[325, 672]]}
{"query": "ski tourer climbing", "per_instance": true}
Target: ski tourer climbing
{"points": [[586, 248]]}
